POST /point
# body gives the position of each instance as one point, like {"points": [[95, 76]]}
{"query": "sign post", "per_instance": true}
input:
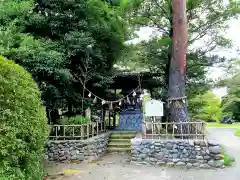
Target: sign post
{"points": [[153, 109]]}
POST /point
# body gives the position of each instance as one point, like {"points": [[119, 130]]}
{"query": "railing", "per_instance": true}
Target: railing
{"points": [[77, 132], [172, 130]]}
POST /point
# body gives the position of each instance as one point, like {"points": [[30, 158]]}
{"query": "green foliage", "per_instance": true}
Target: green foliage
{"points": [[228, 160], [231, 102], [206, 107], [24, 128], [78, 120], [237, 133], [63, 43], [156, 53]]}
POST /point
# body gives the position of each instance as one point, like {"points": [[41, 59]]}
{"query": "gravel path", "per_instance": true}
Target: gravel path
{"points": [[115, 167]]}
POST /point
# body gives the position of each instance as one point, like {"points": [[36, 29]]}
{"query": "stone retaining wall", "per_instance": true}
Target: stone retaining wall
{"points": [[176, 153], [77, 150]]}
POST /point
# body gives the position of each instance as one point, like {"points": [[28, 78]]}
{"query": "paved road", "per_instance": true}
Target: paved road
{"points": [[112, 167]]}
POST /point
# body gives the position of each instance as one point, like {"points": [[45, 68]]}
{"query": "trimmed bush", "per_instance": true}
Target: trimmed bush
{"points": [[23, 127]]}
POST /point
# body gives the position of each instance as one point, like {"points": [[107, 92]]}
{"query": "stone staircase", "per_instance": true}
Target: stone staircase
{"points": [[120, 141]]}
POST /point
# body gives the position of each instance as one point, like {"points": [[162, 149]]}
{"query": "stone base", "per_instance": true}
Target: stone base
{"points": [[176, 153], [78, 150]]}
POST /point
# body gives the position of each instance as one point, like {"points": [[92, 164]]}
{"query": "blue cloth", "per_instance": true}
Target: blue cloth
{"points": [[130, 121]]}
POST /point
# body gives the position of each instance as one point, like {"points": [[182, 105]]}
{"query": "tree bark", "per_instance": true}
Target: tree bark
{"points": [[177, 71]]}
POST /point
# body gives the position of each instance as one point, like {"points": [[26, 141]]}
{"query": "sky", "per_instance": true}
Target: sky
{"points": [[232, 33]]}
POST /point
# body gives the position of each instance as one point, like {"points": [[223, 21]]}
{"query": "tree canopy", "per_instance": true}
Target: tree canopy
{"points": [[206, 107], [63, 43], [207, 19], [231, 102]]}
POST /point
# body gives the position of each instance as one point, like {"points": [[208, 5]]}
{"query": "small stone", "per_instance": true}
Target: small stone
{"points": [[142, 156], [152, 159], [146, 151], [204, 166], [180, 164], [185, 160], [176, 160], [62, 158], [175, 156], [198, 149], [185, 151], [181, 147], [189, 165], [160, 163], [158, 144], [199, 157], [215, 149], [196, 142], [212, 143], [50, 155], [206, 157], [202, 143], [192, 160], [169, 145], [160, 155], [216, 163]]}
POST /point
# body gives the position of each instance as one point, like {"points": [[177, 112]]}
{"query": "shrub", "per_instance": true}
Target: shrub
{"points": [[78, 120], [228, 160], [23, 128]]}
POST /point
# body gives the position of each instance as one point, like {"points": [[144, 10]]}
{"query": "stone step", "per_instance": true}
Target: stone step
{"points": [[118, 149], [122, 136], [120, 140], [119, 144]]}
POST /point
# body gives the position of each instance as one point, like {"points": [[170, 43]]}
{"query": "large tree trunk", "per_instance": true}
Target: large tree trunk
{"points": [[177, 71]]}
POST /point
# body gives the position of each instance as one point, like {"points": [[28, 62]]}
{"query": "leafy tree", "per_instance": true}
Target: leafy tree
{"points": [[153, 56], [206, 20], [24, 128], [231, 102], [64, 44], [206, 107]]}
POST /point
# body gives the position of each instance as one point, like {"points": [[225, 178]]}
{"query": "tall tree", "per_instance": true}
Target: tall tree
{"points": [[231, 102], [177, 71], [51, 40], [207, 19]]}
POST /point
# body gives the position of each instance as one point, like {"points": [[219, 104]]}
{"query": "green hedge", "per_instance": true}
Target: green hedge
{"points": [[23, 127]]}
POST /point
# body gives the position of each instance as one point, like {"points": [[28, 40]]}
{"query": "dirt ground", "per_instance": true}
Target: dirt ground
{"points": [[117, 166]]}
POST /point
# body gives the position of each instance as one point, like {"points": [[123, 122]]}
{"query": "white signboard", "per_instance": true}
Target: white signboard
{"points": [[154, 108]]}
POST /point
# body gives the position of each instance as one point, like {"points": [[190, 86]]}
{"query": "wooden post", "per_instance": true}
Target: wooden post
{"points": [[173, 130], [93, 125], [87, 130], [82, 131], [56, 129], [73, 131], [64, 131], [97, 127], [166, 130]]}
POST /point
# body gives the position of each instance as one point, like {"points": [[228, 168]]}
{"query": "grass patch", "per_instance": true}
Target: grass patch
{"points": [[223, 125], [238, 133], [228, 160]]}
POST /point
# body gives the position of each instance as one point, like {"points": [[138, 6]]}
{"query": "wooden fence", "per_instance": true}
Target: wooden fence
{"points": [[172, 130], [77, 132]]}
